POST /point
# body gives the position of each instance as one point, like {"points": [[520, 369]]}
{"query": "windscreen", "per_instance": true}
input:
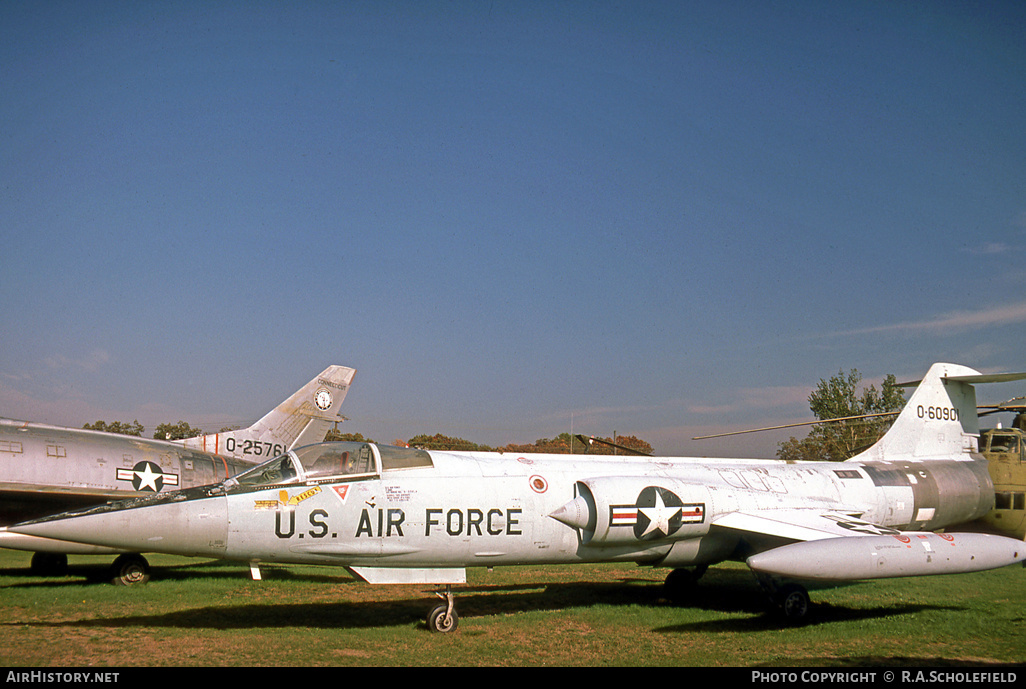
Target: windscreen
{"points": [[281, 469], [325, 460]]}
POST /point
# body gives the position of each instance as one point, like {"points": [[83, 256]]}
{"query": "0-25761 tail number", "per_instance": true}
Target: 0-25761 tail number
{"points": [[254, 447]]}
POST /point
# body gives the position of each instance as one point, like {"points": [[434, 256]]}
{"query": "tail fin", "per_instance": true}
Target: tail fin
{"points": [[302, 419], [939, 421]]}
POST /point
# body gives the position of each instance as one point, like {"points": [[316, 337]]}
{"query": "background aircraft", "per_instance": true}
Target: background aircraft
{"points": [[1005, 451], [46, 469], [409, 516]]}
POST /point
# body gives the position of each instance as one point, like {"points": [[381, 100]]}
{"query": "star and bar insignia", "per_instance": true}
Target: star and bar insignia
{"points": [[657, 513], [148, 477]]}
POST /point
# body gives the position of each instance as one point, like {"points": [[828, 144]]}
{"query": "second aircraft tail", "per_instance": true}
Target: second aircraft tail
{"points": [[939, 421], [304, 418]]}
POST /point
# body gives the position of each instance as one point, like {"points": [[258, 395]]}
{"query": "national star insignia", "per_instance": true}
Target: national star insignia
{"points": [[659, 516], [147, 476]]}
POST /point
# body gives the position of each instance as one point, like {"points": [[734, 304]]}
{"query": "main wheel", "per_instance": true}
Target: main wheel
{"points": [[794, 602], [680, 584], [130, 570], [440, 619]]}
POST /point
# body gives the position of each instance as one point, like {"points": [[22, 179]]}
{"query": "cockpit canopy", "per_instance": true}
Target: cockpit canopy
{"points": [[325, 461], [1002, 442]]}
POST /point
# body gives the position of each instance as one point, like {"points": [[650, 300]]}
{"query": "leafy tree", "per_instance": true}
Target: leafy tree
{"points": [[334, 436], [134, 428], [444, 442], [628, 441], [176, 431], [564, 443], [840, 397], [561, 445]]}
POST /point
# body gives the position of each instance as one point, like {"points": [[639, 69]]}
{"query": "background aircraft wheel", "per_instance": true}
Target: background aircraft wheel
{"points": [[794, 602], [441, 620], [49, 564], [130, 570]]}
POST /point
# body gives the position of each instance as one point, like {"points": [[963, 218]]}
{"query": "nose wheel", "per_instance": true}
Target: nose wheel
{"points": [[443, 618]]}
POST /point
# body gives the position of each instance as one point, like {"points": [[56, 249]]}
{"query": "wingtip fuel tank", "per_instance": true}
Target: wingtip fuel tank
{"points": [[899, 555]]}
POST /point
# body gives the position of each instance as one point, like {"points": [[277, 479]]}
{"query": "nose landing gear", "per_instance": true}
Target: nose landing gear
{"points": [[443, 617]]}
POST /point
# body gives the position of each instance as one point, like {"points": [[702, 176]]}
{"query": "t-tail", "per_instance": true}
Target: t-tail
{"points": [[939, 421], [302, 419]]}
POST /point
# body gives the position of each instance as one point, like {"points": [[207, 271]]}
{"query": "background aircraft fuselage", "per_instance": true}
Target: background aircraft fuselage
{"points": [[47, 469]]}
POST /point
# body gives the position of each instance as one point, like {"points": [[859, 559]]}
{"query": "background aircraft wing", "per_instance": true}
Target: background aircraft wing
{"points": [[23, 501]]}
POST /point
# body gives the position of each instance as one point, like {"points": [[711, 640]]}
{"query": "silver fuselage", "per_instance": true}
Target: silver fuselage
{"points": [[442, 509]]}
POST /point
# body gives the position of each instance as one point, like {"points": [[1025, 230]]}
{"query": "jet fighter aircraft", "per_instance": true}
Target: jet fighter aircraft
{"points": [[409, 516], [46, 469]]}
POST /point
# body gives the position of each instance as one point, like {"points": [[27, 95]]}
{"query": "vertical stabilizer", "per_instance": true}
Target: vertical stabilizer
{"points": [[303, 418], [939, 421]]}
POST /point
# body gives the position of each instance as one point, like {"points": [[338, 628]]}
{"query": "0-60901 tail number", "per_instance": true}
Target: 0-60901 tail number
{"points": [[937, 413]]}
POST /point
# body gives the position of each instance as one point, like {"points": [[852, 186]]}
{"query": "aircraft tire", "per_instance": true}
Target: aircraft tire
{"points": [[681, 583], [130, 570], [49, 564], [794, 603], [442, 621]]}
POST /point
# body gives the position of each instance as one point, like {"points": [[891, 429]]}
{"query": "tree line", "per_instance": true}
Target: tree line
{"points": [[561, 444], [164, 431], [564, 443], [837, 397]]}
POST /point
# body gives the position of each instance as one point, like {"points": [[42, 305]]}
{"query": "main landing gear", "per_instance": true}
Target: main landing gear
{"points": [[791, 600], [443, 617], [129, 569], [680, 584]]}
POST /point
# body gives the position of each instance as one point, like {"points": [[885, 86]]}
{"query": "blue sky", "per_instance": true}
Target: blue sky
{"points": [[513, 218]]}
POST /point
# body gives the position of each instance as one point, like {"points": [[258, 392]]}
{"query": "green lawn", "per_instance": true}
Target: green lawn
{"points": [[209, 613]]}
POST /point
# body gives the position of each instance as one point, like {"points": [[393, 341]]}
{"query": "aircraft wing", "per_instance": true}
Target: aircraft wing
{"points": [[799, 524], [806, 544]]}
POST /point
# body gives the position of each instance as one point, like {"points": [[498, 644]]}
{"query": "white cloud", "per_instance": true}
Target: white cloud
{"points": [[990, 249], [90, 362], [960, 320], [759, 398]]}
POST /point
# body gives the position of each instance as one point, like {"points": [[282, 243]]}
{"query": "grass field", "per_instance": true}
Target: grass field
{"points": [[210, 613]]}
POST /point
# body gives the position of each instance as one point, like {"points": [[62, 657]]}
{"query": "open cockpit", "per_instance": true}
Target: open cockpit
{"points": [[331, 462]]}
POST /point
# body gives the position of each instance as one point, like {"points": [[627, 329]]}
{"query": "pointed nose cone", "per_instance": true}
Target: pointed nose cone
{"points": [[182, 523], [575, 514]]}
